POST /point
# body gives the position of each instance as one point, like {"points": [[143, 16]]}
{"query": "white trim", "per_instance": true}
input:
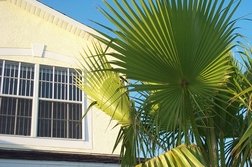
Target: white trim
{"points": [[34, 119], [29, 53], [88, 123], [60, 100], [15, 51], [44, 143], [16, 96], [2, 79]]}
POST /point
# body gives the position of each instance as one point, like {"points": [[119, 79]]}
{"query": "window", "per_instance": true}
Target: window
{"points": [[60, 102], [16, 90]]}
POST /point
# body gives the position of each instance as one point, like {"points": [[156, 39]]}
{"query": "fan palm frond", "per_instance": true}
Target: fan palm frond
{"points": [[178, 49], [103, 86], [179, 156]]}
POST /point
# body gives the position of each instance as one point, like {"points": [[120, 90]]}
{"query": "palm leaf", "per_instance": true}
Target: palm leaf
{"points": [[241, 149], [107, 91], [104, 86], [179, 49], [179, 156]]}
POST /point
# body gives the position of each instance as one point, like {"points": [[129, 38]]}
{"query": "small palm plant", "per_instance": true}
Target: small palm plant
{"points": [[170, 81]]}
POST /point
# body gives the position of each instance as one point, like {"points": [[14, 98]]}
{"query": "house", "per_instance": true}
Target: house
{"points": [[40, 106]]}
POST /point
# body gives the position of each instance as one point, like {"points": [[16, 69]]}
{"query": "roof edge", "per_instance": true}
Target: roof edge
{"points": [[52, 156]]}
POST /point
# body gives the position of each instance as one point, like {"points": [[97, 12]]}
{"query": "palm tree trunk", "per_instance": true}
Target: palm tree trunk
{"points": [[212, 145], [222, 149]]}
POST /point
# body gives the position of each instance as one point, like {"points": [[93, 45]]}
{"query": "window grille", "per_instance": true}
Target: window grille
{"points": [[60, 104], [16, 90]]}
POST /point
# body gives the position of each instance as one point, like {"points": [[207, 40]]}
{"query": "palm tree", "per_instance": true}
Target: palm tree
{"points": [[167, 75], [241, 152]]}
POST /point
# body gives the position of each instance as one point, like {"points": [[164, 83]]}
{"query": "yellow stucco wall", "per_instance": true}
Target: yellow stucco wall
{"points": [[20, 29]]}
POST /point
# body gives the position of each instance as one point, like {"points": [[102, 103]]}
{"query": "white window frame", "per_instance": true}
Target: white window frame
{"points": [[57, 97], [46, 143]]}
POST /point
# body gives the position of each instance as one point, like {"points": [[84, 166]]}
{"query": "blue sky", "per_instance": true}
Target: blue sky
{"points": [[86, 10]]}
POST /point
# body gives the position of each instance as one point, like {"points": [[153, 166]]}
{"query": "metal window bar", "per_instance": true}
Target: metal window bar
{"points": [[31, 82], [53, 83], [2, 76], [67, 120], [68, 83], [1, 69], [52, 119], [15, 121], [18, 79], [71, 89], [75, 88]]}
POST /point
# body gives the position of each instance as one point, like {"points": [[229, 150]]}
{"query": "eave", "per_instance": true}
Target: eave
{"points": [[52, 156]]}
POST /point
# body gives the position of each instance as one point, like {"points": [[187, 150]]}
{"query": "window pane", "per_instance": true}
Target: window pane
{"points": [[75, 121], [14, 73], [60, 83], [10, 78], [26, 80], [45, 83], [59, 119], [74, 92], [7, 124], [24, 112], [15, 116], [45, 119]]}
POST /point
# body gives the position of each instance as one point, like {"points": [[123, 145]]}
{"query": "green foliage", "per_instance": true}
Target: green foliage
{"points": [[241, 148], [180, 156], [104, 86], [176, 58]]}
